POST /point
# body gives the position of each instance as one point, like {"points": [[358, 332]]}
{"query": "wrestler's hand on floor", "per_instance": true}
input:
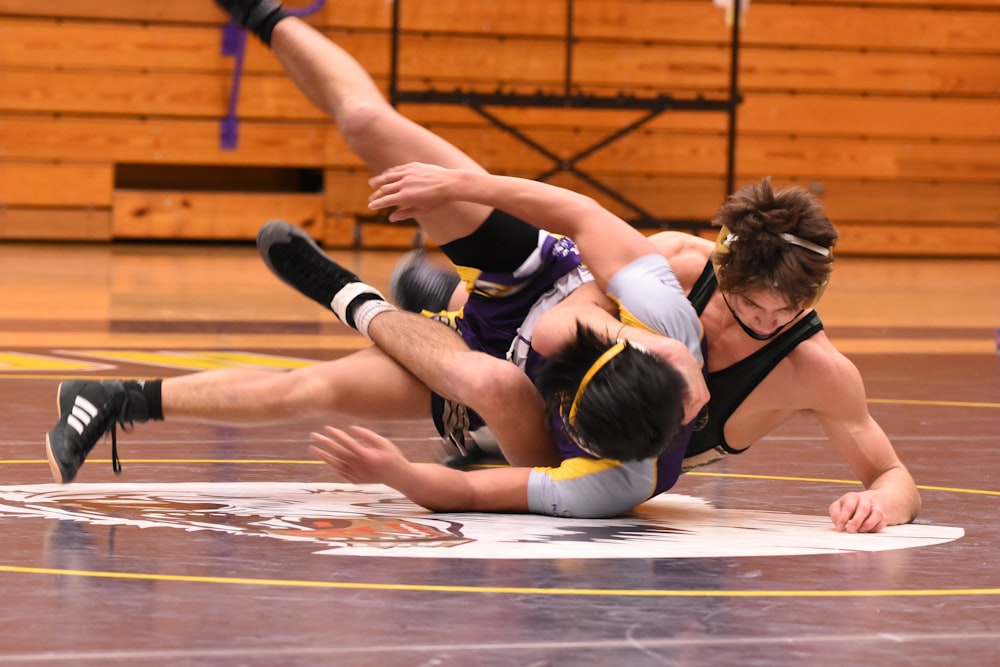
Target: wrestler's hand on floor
{"points": [[857, 512], [361, 456]]}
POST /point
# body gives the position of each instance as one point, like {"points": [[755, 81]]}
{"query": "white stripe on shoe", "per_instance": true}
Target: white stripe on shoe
{"points": [[82, 414]]}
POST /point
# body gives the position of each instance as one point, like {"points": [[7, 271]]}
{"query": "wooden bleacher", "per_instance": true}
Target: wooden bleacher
{"points": [[896, 129]]}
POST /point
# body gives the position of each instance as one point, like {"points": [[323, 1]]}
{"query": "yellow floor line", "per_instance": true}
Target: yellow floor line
{"points": [[428, 588]]}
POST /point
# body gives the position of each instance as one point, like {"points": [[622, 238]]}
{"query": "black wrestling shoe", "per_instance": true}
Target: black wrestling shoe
{"points": [[87, 411], [295, 258], [417, 284], [472, 456], [258, 16]]}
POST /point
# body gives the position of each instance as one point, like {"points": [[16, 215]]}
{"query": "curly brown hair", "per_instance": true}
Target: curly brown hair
{"points": [[755, 256]]}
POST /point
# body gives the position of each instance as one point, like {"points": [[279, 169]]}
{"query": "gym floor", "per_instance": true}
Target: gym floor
{"points": [[232, 546]]}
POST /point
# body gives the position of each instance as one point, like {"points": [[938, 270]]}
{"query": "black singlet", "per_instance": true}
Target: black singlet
{"points": [[730, 386]]}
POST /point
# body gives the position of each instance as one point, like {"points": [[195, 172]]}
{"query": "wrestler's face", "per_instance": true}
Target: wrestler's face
{"points": [[762, 312]]}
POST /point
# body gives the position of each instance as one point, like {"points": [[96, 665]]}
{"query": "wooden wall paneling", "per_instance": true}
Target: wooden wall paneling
{"points": [[920, 204], [163, 94], [800, 158], [341, 231], [512, 17], [142, 47], [808, 157], [678, 197], [346, 190], [776, 114], [642, 20], [972, 27], [349, 221], [345, 197], [387, 236], [502, 62], [366, 14], [910, 202], [861, 117], [963, 5], [646, 69], [867, 73], [805, 158], [505, 61], [496, 150], [178, 11], [895, 128], [56, 184], [951, 240], [599, 121], [52, 200], [158, 214], [277, 99], [55, 224], [86, 45], [901, 27], [136, 140]]}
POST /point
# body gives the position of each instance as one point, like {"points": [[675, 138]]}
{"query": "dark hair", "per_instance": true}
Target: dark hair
{"points": [[629, 411], [758, 257]]}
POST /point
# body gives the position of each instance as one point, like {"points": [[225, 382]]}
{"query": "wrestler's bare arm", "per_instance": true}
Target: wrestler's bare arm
{"points": [[362, 457], [890, 496]]}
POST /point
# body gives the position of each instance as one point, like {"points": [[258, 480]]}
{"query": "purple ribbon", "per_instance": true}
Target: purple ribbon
{"points": [[234, 43]]}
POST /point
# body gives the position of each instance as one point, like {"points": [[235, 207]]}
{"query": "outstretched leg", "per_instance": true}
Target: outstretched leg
{"points": [[365, 384], [337, 83], [492, 387]]}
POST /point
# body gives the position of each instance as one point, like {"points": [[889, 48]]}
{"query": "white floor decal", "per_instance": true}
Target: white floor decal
{"points": [[372, 520]]}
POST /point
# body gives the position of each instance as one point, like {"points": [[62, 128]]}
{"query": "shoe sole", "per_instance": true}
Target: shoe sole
{"points": [[279, 232], [53, 466]]}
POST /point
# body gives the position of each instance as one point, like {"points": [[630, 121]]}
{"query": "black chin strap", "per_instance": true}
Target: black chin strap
{"points": [[750, 332]]}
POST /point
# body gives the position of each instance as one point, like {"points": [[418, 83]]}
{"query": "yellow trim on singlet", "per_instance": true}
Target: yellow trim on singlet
{"points": [[474, 283], [577, 467], [468, 274], [627, 318]]}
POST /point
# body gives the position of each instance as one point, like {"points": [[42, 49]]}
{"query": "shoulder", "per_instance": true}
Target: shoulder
{"points": [[829, 379], [686, 253], [671, 244]]}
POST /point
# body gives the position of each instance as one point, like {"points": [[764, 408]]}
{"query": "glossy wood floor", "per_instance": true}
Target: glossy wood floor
{"points": [[229, 546]]}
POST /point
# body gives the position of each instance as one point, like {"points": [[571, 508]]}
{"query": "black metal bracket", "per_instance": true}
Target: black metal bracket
{"points": [[654, 106]]}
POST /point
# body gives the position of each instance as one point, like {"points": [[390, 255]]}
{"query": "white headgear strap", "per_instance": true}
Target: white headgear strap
{"points": [[808, 245]]}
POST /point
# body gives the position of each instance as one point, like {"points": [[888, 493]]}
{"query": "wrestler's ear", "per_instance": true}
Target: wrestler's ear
{"points": [[818, 295], [722, 241]]}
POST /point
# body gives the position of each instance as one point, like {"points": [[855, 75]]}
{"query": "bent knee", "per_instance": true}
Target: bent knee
{"points": [[465, 385], [363, 120], [484, 378]]}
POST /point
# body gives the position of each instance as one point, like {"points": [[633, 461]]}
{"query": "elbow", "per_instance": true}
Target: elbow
{"points": [[915, 505], [576, 209], [542, 339], [915, 502]]}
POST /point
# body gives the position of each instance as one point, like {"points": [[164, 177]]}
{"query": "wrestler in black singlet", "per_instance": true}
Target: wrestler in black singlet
{"points": [[730, 386]]}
